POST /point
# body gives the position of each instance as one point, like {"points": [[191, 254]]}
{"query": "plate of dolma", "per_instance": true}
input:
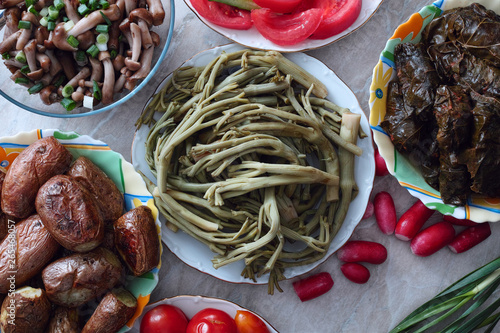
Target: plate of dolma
{"points": [[435, 107]]}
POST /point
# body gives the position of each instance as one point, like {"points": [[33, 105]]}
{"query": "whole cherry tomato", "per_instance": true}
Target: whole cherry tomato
{"points": [[247, 322], [164, 319], [211, 321]]}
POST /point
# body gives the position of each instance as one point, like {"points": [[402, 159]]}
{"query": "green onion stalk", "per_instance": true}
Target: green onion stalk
{"points": [[462, 307]]}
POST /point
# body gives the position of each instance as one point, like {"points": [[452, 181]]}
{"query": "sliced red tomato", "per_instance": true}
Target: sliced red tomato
{"points": [[279, 6], [247, 322], [223, 15], [338, 15], [286, 29], [211, 320]]}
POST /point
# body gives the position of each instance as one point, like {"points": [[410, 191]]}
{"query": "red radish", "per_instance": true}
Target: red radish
{"points": [[355, 272], [470, 237], [369, 210], [455, 221], [362, 251], [410, 223], [432, 239], [380, 166], [385, 212], [313, 286]]}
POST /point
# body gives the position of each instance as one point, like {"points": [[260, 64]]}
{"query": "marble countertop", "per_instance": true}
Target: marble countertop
{"points": [[395, 288]]}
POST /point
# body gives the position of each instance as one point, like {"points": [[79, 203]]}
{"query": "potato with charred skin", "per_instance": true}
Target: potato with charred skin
{"points": [[25, 310], [70, 213], [78, 278], [64, 320], [114, 311], [136, 239], [26, 251], [35, 165], [108, 196]]}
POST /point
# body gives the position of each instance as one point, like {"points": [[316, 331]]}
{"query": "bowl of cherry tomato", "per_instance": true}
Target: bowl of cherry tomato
{"points": [[285, 26], [192, 314]]}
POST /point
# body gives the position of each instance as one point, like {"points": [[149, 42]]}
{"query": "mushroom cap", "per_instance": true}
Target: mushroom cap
{"points": [[132, 65], [59, 38], [143, 14], [103, 55], [48, 95], [35, 75], [125, 25]]}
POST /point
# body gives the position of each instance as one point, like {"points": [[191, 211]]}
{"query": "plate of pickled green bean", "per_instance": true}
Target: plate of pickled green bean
{"points": [[261, 163]]}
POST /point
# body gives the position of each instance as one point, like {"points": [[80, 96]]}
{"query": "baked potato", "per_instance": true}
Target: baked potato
{"points": [[108, 196], [64, 320], [25, 252], [136, 240], [26, 310], [35, 165], [78, 278], [70, 213], [112, 313]]}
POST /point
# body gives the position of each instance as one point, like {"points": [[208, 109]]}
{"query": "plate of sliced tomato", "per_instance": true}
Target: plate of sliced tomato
{"points": [[284, 25], [192, 314]]}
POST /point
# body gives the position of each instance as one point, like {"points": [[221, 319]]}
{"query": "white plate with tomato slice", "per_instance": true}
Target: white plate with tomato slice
{"points": [[310, 25], [167, 317]]}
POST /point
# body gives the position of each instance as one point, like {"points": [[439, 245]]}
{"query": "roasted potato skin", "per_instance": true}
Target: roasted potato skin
{"points": [[78, 278], [35, 165], [70, 213], [108, 196], [112, 313], [26, 252], [32, 311], [136, 240], [64, 320]]}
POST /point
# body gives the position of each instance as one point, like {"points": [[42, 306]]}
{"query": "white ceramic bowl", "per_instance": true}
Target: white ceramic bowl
{"points": [[128, 181], [195, 253], [477, 209], [253, 39]]}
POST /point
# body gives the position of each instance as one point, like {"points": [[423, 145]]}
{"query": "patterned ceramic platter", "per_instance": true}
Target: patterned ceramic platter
{"points": [[252, 38], [476, 209], [128, 181], [190, 305], [198, 255]]}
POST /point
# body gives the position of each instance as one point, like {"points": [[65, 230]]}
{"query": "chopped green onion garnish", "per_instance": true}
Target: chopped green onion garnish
{"points": [[83, 10], [44, 22], [25, 69], [93, 4], [104, 4], [24, 25], [83, 1], [80, 56], [29, 3], [97, 91], [65, 19], [67, 91], [93, 51], [120, 38], [102, 38], [22, 80], [113, 53], [59, 4], [6, 55], [32, 9], [68, 25], [51, 26], [44, 11], [59, 81], [108, 22], [102, 28], [102, 47], [53, 13], [68, 104], [36, 88], [73, 41], [21, 57]]}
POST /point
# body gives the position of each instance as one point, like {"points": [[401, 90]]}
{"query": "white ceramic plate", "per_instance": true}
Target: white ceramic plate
{"points": [[252, 38], [128, 181], [477, 209], [195, 253], [190, 305]]}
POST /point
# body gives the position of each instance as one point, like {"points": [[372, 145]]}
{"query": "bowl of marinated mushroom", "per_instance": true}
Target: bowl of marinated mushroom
{"points": [[73, 58]]}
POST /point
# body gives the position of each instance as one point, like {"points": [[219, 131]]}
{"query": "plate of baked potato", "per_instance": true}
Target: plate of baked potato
{"points": [[80, 237]]}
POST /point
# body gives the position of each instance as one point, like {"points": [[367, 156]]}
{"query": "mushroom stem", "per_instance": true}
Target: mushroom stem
{"points": [[43, 60], [17, 74], [9, 43], [109, 78], [130, 5], [46, 79], [89, 22], [83, 74], [71, 12], [97, 70], [55, 65], [60, 38], [157, 11], [4, 4], [48, 95], [119, 83], [12, 17]]}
